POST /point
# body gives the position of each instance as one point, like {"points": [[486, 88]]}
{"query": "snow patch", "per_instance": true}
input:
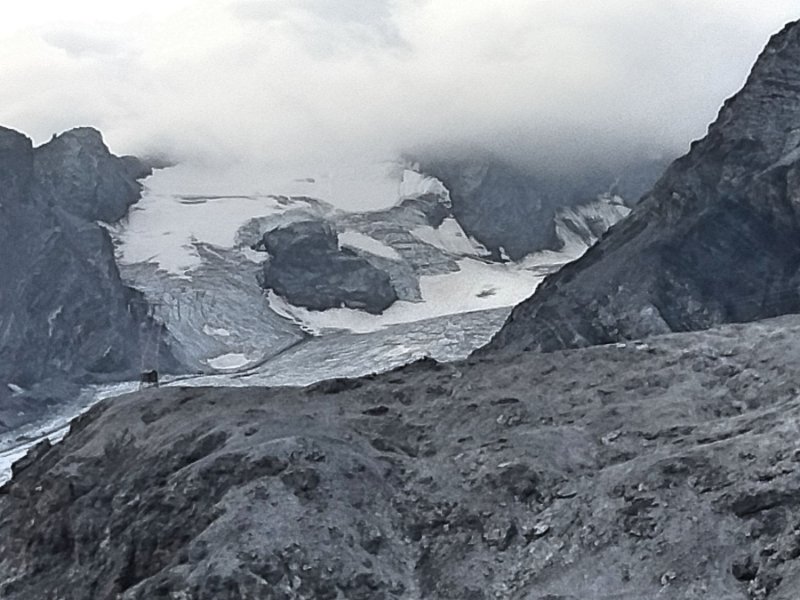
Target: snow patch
{"points": [[51, 320], [230, 361], [414, 184], [578, 227], [360, 241], [253, 255], [451, 238], [216, 331], [165, 230], [348, 185]]}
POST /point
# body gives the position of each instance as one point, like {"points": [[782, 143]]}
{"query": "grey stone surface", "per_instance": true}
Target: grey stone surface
{"points": [[64, 311], [308, 268], [717, 240], [663, 469], [75, 171]]}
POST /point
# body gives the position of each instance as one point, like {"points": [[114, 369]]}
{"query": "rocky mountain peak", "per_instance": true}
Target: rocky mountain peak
{"points": [[756, 130], [717, 240], [77, 172], [65, 313]]}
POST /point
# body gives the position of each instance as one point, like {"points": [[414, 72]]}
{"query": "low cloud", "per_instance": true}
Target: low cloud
{"points": [[308, 81]]}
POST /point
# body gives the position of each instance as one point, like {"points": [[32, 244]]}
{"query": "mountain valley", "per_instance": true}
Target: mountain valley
{"points": [[499, 384]]}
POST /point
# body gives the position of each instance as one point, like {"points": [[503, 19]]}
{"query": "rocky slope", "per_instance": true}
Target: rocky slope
{"points": [[717, 240], [667, 469], [512, 211], [65, 314]]}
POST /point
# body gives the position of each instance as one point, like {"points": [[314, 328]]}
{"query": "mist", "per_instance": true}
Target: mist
{"points": [[285, 82]]}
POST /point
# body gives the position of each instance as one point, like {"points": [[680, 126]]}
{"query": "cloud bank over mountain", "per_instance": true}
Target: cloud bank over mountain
{"points": [[309, 81]]}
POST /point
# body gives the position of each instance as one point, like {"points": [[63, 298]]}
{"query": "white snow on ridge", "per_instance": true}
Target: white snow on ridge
{"points": [[605, 211], [476, 286], [451, 238], [183, 206], [163, 229], [414, 184], [361, 241]]}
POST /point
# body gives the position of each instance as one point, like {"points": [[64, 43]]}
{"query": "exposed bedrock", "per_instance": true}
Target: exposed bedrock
{"points": [[717, 240], [660, 470], [513, 210], [64, 311], [307, 267]]}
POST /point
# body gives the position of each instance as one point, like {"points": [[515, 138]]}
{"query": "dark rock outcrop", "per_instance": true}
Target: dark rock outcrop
{"points": [[75, 171], [717, 240], [507, 208], [307, 267], [667, 470], [64, 311]]}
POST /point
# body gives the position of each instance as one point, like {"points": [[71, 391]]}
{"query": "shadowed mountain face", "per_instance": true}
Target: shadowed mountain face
{"points": [[510, 210], [64, 312], [717, 240]]}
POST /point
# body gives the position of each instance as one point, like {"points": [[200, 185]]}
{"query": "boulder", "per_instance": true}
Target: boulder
{"points": [[307, 267]]}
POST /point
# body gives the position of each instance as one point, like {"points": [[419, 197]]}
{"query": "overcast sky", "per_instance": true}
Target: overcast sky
{"points": [[305, 80]]}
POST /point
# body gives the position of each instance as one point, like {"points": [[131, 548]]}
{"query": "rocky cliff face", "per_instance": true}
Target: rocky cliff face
{"points": [[307, 267], [76, 172], [513, 211], [717, 240], [64, 312]]}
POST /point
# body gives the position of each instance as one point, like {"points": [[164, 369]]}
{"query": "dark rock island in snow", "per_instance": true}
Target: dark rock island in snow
{"points": [[308, 268]]}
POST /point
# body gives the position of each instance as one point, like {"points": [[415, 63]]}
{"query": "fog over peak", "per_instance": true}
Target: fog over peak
{"points": [[315, 81]]}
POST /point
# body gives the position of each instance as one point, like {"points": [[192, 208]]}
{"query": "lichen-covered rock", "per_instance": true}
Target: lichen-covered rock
{"points": [[717, 240], [307, 267]]}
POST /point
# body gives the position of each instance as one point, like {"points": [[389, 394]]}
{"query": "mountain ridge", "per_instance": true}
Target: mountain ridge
{"points": [[665, 468], [65, 313], [715, 241]]}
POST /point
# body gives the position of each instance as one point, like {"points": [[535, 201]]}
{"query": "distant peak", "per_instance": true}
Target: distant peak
{"points": [[87, 136]]}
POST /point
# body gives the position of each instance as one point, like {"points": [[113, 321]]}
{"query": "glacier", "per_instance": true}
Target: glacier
{"points": [[188, 247]]}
